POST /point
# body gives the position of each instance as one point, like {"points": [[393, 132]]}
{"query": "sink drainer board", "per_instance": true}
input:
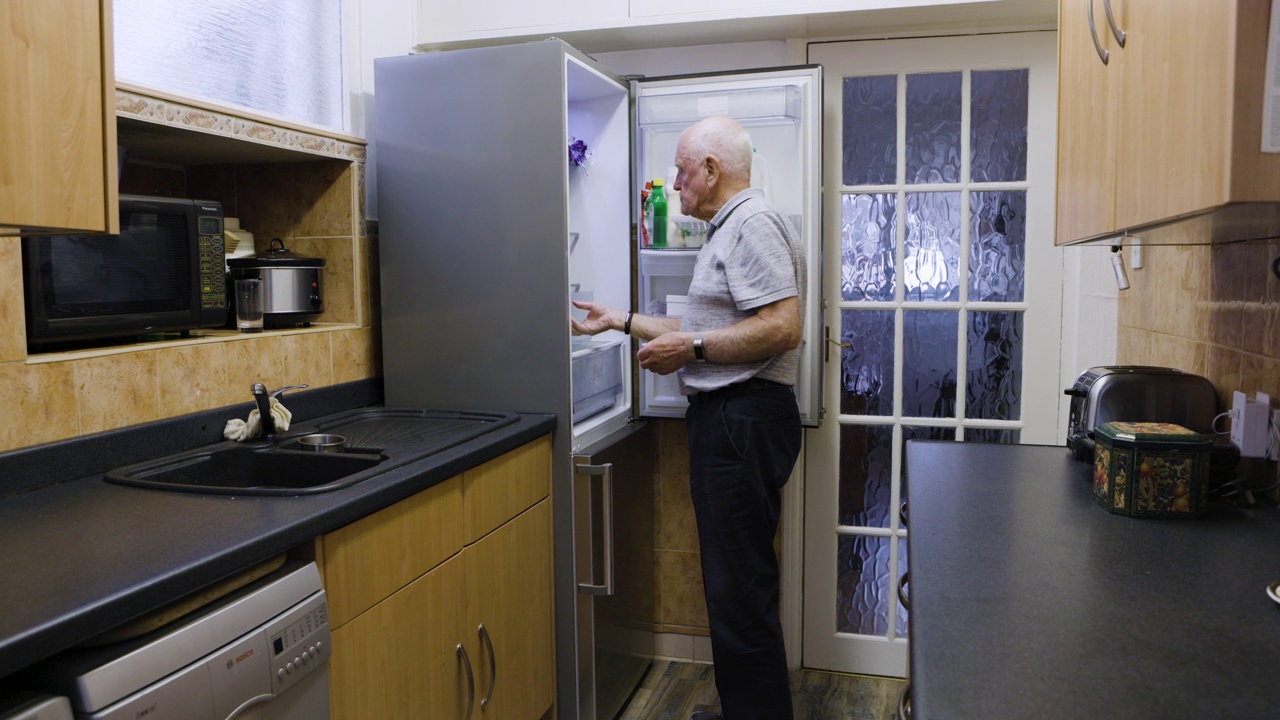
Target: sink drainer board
{"points": [[428, 431], [378, 439]]}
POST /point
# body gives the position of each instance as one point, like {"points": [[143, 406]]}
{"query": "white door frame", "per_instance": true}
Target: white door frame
{"points": [[1040, 421]]}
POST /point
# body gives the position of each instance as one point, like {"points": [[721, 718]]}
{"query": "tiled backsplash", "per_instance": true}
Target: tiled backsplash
{"points": [[681, 606], [1209, 310], [315, 207]]}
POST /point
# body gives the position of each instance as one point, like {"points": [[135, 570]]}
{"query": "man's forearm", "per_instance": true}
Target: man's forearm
{"points": [[648, 327]]}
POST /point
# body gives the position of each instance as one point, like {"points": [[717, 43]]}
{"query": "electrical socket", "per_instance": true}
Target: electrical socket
{"points": [[1250, 423]]}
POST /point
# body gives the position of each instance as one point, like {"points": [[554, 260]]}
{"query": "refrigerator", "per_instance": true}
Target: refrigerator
{"points": [[490, 223]]}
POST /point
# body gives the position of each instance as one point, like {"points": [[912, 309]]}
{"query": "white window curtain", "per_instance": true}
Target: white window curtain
{"points": [[282, 57]]}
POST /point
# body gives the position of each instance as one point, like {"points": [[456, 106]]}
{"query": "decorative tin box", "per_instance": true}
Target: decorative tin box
{"points": [[1150, 469]]}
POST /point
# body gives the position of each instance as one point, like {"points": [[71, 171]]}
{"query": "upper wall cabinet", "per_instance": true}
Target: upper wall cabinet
{"points": [[57, 117], [1160, 121], [606, 25]]}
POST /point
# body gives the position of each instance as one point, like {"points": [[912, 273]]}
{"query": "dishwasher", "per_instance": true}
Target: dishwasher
{"points": [[259, 653]]}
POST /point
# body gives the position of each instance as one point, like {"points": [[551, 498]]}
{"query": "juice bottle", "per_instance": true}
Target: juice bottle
{"points": [[658, 201]]}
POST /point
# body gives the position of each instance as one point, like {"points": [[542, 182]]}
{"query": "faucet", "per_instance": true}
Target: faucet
{"points": [[263, 398]]}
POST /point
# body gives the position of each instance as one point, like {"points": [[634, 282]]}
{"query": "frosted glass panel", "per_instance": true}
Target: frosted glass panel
{"points": [[903, 627], [933, 128], [282, 57], [995, 366], [866, 464], [866, 366], [929, 340], [868, 246], [931, 268], [862, 585], [998, 120], [870, 130], [997, 245]]}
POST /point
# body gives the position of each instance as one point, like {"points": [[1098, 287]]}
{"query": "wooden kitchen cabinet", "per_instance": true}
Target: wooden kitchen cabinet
{"points": [[509, 594], [57, 117], [407, 588], [1171, 124]]}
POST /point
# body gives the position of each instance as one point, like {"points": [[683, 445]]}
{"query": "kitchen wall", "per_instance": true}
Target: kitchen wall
{"points": [[1209, 310], [315, 207]]}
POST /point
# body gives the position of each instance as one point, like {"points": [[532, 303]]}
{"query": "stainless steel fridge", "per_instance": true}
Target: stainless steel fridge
{"points": [[614, 503], [488, 227]]}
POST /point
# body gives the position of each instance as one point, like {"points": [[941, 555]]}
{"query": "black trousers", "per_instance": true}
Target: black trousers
{"points": [[743, 443]]}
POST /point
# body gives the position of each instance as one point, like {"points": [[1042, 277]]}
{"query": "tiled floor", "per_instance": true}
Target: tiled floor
{"points": [[674, 690]]}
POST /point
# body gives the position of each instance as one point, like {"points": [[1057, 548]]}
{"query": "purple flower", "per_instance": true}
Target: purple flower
{"points": [[578, 152]]}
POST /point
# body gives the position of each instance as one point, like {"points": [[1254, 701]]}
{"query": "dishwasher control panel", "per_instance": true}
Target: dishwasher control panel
{"points": [[299, 642]]}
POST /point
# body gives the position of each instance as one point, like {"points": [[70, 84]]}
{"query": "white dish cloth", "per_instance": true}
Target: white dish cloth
{"points": [[241, 430]]}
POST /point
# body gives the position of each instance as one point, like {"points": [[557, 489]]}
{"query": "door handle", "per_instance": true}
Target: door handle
{"points": [[1103, 53], [1119, 34], [605, 474], [471, 681], [493, 667], [826, 357]]}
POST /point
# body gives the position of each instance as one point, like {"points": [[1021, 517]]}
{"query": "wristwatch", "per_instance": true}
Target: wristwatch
{"points": [[698, 353]]}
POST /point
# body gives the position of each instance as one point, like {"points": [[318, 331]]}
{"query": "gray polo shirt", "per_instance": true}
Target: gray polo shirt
{"points": [[752, 258]]}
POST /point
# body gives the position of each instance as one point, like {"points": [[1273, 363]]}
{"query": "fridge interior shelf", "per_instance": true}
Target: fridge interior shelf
{"points": [[749, 106]]}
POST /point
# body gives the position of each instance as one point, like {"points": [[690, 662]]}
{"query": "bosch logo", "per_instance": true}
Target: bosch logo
{"points": [[244, 656]]}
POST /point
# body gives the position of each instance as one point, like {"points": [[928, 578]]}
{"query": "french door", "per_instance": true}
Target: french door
{"points": [[943, 296]]}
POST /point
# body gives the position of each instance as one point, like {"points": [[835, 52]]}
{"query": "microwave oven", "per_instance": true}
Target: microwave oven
{"points": [[164, 273]]}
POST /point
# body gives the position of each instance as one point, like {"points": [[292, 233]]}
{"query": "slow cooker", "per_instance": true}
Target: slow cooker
{"points": [[292, 285]]}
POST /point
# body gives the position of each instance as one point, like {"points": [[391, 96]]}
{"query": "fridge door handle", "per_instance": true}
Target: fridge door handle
{"points": [[605, 475]]}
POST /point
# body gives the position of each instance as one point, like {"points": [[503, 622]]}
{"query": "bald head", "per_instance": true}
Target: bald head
{"points": [[723, 138], [713, 163]]}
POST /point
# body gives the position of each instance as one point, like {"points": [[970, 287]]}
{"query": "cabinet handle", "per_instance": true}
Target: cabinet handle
{"points": [[605, 473], [902, 591], [471, 681], [1093, 32], [493, 666], [1119, 34]]}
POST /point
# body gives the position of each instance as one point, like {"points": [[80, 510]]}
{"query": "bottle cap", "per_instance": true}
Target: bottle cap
{"points": [[657, 182]]}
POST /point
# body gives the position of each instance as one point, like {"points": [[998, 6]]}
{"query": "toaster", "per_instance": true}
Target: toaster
{"points": [[1136, 393]]}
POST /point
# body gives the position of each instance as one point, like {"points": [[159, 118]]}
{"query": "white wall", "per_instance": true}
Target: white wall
{"points": [[383, 28], [1090, 306]]}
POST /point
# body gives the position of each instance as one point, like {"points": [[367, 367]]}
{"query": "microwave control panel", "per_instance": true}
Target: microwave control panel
{"points": [[213, 268]]}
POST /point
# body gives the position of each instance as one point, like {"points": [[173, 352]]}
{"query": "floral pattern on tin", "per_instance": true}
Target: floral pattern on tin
{"points": [[1164, 483], [1101, 461], [1120, 483]]}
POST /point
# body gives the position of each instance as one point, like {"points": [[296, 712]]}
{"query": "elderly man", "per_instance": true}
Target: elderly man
{"points": [[737, 352]]}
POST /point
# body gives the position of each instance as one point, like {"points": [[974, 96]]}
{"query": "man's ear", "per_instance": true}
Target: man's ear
{"points": [[711, 168]]}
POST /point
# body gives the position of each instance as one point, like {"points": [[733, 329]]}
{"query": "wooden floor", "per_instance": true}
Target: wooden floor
{"points": [[674, 690]]}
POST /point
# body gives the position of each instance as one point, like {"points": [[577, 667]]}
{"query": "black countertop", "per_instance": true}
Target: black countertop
{"points": [[79, 556], [1028, 600]]}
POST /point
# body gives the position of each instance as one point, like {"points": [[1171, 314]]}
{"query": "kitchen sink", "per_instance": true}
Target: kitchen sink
{"points": [[378, 439]]}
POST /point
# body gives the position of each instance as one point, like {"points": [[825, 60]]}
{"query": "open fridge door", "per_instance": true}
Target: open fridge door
{"points": [[782, 109]]}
